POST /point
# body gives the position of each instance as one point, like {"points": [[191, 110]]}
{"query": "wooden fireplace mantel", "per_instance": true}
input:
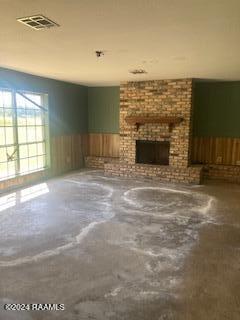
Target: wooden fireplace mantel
{"points": [[141, 120]]}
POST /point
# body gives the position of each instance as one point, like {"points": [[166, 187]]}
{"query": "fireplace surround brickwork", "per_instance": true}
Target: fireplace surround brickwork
{"points": [[165, 98], [159, 97]]}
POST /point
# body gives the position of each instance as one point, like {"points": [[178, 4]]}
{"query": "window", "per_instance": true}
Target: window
{"points": [[23, 133]]}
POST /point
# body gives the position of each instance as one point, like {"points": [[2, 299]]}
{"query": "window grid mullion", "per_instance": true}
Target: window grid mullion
{"points": [[5, 140], [16, 140]]}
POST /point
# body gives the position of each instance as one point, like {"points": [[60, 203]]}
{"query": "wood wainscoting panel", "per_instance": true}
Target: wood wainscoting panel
{"points": [[216, 150], [67, 152], [103, 144]]}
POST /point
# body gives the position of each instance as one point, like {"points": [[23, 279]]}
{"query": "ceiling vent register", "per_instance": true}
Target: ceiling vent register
{"points": [[38, 22], [138, 71]]}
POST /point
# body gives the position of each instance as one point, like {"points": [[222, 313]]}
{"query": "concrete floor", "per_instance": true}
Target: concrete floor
{"points": [[111, 248]]}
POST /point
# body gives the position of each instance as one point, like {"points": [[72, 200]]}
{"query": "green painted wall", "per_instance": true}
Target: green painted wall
{"points": [[103, 109], [67, 102], [217, 109], [78, 109]]}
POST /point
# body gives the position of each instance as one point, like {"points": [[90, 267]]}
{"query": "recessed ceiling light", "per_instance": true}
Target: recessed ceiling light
{"points": [[38, 22], [138, 71]]}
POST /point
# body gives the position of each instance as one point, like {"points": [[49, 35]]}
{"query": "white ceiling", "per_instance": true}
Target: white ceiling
{"points": [[167, 38]]}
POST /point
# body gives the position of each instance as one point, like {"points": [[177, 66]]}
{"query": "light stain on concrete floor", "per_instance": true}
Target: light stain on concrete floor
{"points": [[111, 248]]}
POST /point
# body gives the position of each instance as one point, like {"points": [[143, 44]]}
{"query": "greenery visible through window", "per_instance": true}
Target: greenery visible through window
{"points": [[23, 133]]}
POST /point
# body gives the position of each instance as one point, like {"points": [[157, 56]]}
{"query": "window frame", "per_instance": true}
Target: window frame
{"points": [[16, 143]]}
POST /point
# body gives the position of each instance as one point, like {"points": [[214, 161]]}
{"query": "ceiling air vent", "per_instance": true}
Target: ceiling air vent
{"points": [[38, 22], [138, 71]]}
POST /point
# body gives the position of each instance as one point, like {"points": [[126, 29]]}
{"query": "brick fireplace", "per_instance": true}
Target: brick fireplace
{"points": [[156, 111]]}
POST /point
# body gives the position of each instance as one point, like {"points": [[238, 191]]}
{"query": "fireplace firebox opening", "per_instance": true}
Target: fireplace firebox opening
{"points": [[152, 152]]}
